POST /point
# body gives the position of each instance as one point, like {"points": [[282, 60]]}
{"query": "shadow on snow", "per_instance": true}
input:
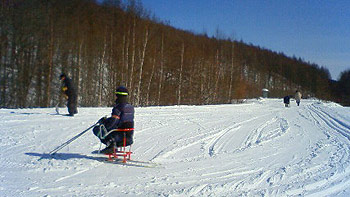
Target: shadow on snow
{"points": [[64, 156], [67, 156]]}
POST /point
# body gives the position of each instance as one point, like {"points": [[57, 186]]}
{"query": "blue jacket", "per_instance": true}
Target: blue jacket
{"points": [[126, 113], [286, 99]]}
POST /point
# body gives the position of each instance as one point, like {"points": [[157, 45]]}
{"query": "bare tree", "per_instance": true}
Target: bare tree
{"points": [[141, 66], [150, 81], [133, 53], [181, 73], [231, 73], [161, 69]]}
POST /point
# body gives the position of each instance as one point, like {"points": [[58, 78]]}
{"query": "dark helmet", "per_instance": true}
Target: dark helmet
{"points": [[63, 75], [121, 91]]}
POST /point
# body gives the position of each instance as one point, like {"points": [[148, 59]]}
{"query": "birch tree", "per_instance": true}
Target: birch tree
{"points": [[141, 66], [161, 69], [181, 73]]}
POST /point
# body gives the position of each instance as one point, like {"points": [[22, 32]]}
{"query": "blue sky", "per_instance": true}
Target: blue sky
{"points": [[318, 31]]}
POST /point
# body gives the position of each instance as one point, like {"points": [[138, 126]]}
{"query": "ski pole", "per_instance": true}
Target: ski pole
{"points": [[70, 141]]}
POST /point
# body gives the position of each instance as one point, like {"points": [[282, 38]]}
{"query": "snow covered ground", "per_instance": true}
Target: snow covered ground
{"points": [[259, 148]]}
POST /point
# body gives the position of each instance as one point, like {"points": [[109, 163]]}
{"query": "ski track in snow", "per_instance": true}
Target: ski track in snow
{"points": [[259, 148]]}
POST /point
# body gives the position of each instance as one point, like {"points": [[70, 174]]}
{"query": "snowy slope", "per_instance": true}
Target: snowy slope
{"points": [[259, 148]]}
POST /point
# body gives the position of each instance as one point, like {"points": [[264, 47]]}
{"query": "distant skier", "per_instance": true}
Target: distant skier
{"points": [[286, 101], [70, 94], [122, 118], [298, 97]]}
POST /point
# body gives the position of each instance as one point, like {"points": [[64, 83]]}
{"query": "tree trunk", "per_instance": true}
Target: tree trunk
{"points": [[180, 74], [141, 66], [150, 81], [133, 52], [101, 72], [161, 70], [231, 74], [49, 74]]}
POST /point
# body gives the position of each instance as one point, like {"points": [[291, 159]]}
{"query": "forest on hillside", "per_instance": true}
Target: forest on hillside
{"points": [[111, 43]]}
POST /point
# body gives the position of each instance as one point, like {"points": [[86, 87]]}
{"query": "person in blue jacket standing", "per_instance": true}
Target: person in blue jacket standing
{"points": [[286, 100]]}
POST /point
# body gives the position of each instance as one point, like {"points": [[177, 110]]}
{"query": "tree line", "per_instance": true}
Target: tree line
{"points": [[106, 44]]}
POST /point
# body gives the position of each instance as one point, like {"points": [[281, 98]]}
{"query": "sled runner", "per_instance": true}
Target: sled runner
{"points": [[130, 162], [124, 150]]}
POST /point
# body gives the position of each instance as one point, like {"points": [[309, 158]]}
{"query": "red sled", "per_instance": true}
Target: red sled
{"points": [[123, 151]]}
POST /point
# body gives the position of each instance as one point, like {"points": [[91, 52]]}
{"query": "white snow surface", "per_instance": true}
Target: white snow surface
{"points": [[259, 148]]}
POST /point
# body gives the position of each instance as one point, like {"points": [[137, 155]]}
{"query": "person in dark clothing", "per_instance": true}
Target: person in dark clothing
{"points": [[70, 94], [286, 101], [122, 119]]}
